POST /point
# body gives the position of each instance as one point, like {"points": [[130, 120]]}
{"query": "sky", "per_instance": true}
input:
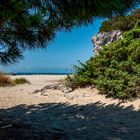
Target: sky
{"points": [[64, 52]]}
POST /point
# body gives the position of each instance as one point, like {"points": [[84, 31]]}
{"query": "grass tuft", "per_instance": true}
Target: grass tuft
{"points": [[5, 80], [19, 81]]}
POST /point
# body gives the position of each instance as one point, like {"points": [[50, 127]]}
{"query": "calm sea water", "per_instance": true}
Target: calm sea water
{"points": [[40, 73], [50, 71]]}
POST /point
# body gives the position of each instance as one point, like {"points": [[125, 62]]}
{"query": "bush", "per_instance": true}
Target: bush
{"points": [[5, 80], [115, 69], [21, 81], [121, 23]]}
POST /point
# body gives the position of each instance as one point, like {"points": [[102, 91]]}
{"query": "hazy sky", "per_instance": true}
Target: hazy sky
{"points": [[66, 49]]}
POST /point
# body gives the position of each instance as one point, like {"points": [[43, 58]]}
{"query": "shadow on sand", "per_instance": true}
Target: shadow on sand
{"points": [[70, 122]]}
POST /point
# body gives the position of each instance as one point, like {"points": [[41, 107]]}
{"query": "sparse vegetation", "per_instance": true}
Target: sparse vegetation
{"points": [[115, 70], [21, 81], [5, 80]]}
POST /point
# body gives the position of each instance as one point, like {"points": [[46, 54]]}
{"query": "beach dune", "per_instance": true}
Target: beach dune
{"points": [[80, 114]]}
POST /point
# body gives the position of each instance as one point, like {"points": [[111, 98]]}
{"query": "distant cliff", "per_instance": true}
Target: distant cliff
{"points": [[104, 38]]}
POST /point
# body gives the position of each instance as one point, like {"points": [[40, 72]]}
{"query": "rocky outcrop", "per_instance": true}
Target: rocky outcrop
{"points": [[105, 38]]}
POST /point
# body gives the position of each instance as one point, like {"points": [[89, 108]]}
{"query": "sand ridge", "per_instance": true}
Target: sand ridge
{"points": [[21, 94]]}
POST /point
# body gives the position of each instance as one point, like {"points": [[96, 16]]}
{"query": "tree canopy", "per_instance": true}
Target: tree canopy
{"points": [[28, 24]]}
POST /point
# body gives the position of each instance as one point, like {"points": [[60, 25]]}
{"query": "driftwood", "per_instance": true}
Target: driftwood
{"points": [[57, 86]]}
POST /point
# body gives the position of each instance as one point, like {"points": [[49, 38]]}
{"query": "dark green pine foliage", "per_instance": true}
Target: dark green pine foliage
{"points": [[29, 24], [114, 70]]}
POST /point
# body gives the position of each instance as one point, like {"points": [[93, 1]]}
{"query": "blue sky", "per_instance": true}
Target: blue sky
{"points": [[64, 52]]}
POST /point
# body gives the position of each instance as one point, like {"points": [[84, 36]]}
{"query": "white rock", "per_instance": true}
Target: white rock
{"points": [[105, 38]]}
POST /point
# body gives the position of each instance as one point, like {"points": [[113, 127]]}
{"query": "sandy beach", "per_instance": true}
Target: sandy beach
{"points": [[82, 114]]}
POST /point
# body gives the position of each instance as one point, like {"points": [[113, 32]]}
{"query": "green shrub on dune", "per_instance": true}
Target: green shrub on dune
{"points": [[115, 69]]}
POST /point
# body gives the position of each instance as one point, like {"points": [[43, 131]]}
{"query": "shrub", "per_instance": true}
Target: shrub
{"points": [[5, 80], [115, 69], [21, 81], [121, 23]]}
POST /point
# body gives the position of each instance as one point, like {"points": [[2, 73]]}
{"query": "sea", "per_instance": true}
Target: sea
{"points": [[39, 73], [52, 71]]}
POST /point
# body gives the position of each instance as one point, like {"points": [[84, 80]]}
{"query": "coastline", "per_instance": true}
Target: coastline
{"points": [[26, 74]]}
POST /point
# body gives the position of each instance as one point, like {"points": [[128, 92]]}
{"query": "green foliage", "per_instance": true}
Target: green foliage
{"points": [[115, 69], [21, 81], [29, 24], [123, 23]]}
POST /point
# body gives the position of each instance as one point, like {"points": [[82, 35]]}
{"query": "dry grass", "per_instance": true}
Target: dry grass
{"points": [[5, 80]]}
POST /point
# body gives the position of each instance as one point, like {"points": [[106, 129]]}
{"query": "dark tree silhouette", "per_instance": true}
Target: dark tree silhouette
{"points": [[28, 24]]}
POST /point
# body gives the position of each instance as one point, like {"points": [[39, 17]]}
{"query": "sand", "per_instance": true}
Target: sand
{"points": [[81, 114]]}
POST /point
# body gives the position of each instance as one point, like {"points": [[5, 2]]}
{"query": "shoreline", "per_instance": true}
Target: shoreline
{"points": [[26, 74]]}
